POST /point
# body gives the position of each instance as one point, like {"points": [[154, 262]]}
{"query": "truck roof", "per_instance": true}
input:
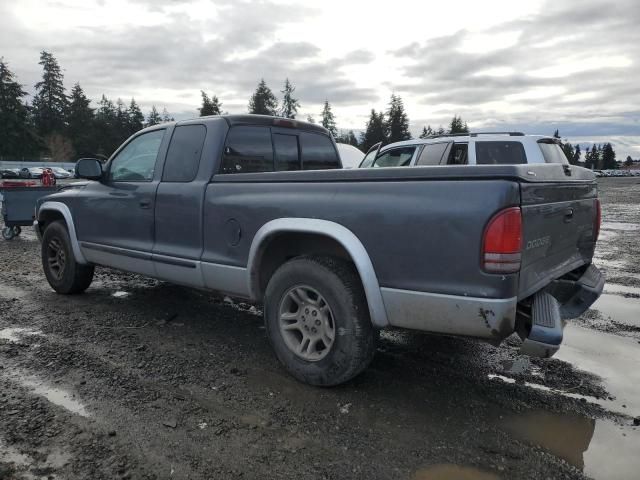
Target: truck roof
{"points": [[466, 137], [263, 120]]}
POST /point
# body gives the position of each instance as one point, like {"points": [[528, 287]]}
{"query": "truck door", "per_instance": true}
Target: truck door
{"points": [[179, 207], [114, 217]]}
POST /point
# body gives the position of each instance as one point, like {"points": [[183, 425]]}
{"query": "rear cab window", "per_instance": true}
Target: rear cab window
{"points": [[500, 153], [251, 149]]}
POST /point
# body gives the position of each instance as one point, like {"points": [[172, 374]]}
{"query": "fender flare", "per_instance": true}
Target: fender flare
{"points": [[333, 230], [66, 214]]}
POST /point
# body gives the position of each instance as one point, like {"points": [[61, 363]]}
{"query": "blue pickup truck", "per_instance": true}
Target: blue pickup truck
{"points": [[258, 208]]}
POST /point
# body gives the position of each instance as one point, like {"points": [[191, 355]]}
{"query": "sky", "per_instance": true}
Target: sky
{"points": [[530, 65]]}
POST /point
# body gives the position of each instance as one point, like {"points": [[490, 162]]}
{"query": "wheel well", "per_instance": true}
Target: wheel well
{"points": [[47, 216], [284, 246]]}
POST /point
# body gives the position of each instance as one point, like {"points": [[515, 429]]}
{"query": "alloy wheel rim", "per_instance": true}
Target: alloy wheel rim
{"points": [[56, 257], [306, 323]]}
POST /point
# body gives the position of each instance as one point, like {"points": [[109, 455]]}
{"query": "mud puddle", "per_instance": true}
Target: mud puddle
{"points": [[602, 449], [620, 226], [621, 309], [29, 467], [613, 358], [13, 334], [617, 288], [55, 395], [452, 472]]}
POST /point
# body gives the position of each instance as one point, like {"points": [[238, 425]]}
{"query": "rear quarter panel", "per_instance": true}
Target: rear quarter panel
{"points": [[420, 235]]}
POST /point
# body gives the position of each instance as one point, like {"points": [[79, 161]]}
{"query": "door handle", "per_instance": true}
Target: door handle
{"points": [[145, 203]]}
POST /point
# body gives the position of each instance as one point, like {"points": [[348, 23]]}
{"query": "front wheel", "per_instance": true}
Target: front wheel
{"points": [[318, 322], [63, 273]]}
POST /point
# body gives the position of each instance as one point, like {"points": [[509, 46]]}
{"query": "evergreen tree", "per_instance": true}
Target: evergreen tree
{"points": [[154, 117], [397, 125], [263, 101], [576, 155], [122, 121], [17, 137], [352, 139], [107, 136], [135, 118], [375, 131], [347, 137], [210, 106], [310, 119], [328, 119], [608, 157], [427, 132], [592, 158], [290, 105], [456, 126], [629, 161], [166, 117], [80, 122], [50, 102], [556, 134], [568, 150], [441, 131]]}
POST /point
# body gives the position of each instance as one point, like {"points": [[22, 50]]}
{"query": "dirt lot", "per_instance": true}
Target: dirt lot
{"points": [[141, 379]]}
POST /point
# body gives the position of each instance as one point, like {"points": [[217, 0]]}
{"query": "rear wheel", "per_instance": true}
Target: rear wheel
{"points": [[318, 322], [7, 233], [63, 273]]}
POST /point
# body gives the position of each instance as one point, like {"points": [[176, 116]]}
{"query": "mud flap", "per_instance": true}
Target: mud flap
{"points": [[545, 336]]}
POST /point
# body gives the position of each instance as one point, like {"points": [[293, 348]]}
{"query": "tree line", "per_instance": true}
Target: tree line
{"points": [[64, 127], [61, 126]]}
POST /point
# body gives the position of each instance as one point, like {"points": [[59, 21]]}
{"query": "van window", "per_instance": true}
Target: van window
{"points": [[552, 152], [318, 152], [458, 154], [287, 155], [183, 157], [432, 153], [248, 149], [500, 153], [396, 157]]}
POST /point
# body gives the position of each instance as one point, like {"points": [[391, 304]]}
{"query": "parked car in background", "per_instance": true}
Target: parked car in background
{"points": [[491, 148], [260, 208], [61, 173], [351, 156], [10, 173], [31, 172]]}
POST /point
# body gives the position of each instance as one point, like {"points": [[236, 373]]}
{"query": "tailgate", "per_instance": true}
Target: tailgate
{"points": [[558, 230]]}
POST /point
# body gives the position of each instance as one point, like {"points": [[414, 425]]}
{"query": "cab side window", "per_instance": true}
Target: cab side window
{"points": [[248, 149], [396, 157], [136, 162], [185, 150]]}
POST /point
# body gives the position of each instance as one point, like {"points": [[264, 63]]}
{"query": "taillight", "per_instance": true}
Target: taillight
{"points": [[597, 222], [502, 242]]}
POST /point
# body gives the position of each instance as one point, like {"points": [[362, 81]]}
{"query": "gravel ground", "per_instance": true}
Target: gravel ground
{"points": [[141, 379]]}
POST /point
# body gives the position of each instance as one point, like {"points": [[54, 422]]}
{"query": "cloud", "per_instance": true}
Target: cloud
{"points": [[538, 75]]}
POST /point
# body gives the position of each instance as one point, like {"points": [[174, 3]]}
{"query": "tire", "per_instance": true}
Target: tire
{"points": [[63, 273], [7, 233], [318, 283], [17, 231]]}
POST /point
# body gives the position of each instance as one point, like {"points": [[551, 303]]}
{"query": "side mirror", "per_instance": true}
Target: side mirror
{"points": [[89, 168]]}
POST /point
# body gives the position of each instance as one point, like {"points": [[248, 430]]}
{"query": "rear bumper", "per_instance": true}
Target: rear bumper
{"points": [[492, 319], [566, 298]]}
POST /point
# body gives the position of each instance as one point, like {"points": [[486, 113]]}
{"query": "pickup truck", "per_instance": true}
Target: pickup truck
{"points": [[258, 208]]}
